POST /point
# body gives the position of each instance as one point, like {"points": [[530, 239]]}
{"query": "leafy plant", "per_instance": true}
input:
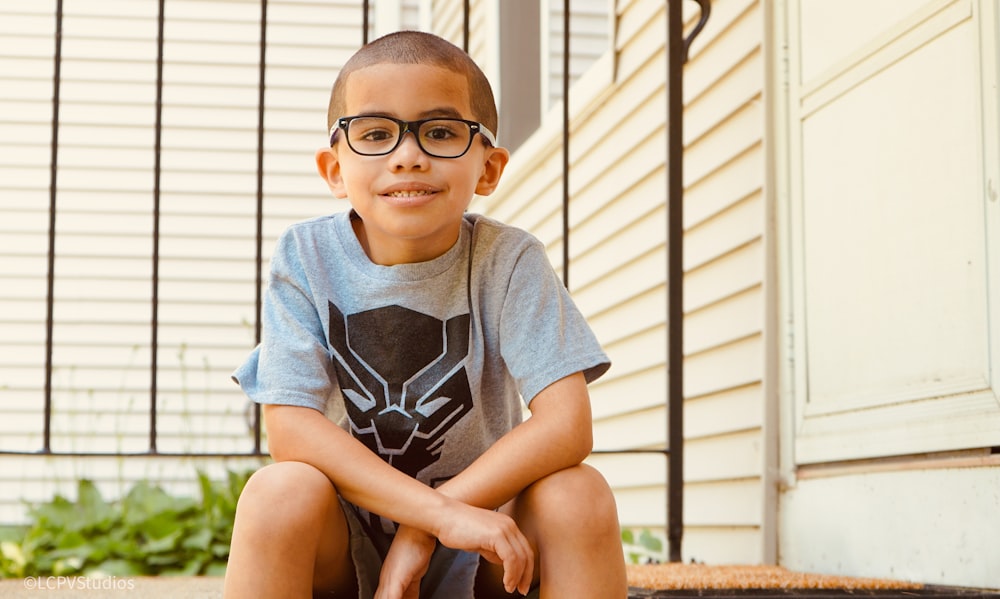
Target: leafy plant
{"points": [[148, 532], [644, 549]]}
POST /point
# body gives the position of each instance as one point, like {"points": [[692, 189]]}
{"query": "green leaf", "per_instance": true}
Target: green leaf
{"points": [[200, 540], [191, 568], [162, 544], [13, 559], [93, 512], [70, 565], [220, 550], [650, 542], [216, 569], [117, 567]]}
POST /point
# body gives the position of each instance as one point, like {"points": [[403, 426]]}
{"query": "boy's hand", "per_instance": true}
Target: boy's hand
{"points": [[406, 563], [494, 536]]}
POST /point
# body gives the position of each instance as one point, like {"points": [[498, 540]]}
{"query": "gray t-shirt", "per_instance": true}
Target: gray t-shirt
{"points": [[423, 365]]}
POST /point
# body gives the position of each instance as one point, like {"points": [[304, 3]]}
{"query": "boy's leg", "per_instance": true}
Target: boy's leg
{"points": [[571, 520], [290, 537]]}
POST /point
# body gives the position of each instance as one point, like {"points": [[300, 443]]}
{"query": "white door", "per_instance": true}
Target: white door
{"points": [[892, 257]]}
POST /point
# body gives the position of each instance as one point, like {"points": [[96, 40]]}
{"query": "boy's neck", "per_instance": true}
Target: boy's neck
{"points": [[399, 251]]}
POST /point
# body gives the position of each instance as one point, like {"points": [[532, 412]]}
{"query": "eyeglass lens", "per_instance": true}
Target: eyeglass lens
{"points": [[444, 138]]}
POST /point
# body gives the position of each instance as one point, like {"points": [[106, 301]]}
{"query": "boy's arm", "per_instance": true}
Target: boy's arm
{"points": [[558, 435], [305, 435]]}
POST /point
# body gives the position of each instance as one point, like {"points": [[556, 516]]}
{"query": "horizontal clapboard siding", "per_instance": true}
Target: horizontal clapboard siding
{"points": [[102, 352], [618, 266]]}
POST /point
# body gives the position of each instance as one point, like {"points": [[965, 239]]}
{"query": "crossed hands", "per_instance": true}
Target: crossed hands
{"points": [[492, 535]]}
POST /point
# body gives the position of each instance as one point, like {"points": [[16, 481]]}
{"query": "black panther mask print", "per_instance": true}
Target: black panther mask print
{"points": [[403, 378]]}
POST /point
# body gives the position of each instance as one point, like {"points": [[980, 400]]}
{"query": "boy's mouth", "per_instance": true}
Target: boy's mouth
{"points": [[408, 193]]}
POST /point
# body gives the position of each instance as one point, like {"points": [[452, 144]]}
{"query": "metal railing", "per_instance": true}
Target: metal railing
{"points": [[677, 51]]}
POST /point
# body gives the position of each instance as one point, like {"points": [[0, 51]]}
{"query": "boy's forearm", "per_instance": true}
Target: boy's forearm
{"points": [[558, 435], [360, 476]]}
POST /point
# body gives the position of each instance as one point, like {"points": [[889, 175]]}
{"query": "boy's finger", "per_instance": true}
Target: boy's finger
{"points": [[518, 565]]}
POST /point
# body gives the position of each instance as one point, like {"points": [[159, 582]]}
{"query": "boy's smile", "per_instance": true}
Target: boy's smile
{"points": [[410, 203]]}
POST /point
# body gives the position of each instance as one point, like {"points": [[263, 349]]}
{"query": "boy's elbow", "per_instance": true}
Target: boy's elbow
{"points": [[281, 442], [584, 445]]}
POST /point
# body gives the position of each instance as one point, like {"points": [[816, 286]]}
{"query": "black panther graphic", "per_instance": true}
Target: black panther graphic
{"points": [[402, 375]]}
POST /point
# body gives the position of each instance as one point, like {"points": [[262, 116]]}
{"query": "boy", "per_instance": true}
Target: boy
{"points": [[418, 329]]}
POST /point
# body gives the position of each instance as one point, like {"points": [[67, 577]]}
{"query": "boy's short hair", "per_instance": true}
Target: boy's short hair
{"points": [[418, 47]]}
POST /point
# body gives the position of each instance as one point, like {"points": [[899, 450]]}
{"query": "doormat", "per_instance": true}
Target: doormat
{"points": [[774, 582]]}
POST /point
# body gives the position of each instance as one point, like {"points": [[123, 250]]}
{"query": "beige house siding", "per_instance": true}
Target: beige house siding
{"points": [[104, 228], [618, 264], [617, 243]]}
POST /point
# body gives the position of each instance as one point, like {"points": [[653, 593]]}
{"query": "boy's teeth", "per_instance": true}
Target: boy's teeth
{"points": [[408, 194]]}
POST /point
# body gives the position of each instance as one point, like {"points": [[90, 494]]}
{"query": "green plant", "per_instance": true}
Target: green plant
{"points": [[148, 532], [644, 549]]}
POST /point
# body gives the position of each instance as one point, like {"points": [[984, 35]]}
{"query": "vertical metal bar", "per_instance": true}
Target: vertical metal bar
{"points": [[157, 151], [675, 279], [364, 22], [259, 261], [51, 264], [565, 142], [465, 25]]}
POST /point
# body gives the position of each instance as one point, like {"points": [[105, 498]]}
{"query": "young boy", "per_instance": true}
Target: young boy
{"points": [[399, 340]]}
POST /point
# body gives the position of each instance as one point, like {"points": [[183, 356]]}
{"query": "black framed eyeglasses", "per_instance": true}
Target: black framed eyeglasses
{"points": [[438, 137]]}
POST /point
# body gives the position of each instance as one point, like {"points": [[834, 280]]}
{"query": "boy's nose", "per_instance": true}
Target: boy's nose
{"points": [[408, 153]]}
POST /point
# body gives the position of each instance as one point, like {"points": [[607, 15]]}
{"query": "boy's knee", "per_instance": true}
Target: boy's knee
{"points": [[299, 489], [577, 496]]}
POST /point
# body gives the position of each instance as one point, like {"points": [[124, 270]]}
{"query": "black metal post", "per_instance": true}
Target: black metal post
{"points": [[677, 55], [155, 300], [364, 22], [51, 258], [675, 283], [466, 8], [565, 144], [259, 301]]}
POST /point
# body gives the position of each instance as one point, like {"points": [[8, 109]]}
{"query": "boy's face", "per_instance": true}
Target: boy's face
{"points": [[411, 204]]}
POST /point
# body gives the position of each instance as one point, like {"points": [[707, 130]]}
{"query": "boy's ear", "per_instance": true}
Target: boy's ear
{"points": [[328, 165], [496, 161]]}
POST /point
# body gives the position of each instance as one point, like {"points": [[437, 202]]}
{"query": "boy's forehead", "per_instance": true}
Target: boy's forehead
{"points": [[411, 88]]}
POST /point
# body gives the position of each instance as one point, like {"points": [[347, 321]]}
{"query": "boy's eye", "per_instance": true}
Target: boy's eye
{"points": [[440, 131], [376, 135]]}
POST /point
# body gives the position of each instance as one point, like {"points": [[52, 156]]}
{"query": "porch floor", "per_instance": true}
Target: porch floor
{"points": [[676, 581]]}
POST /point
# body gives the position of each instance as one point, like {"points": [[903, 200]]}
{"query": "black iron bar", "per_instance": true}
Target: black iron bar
{"points": [[364, 22], [51, 258], [465, 25], [136, 454], [675, 280], [259, 242], [565, 144], [154, 348], [677, 55]]}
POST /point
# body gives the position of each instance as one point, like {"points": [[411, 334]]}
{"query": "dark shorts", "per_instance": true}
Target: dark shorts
{"points": [[450, 575]]}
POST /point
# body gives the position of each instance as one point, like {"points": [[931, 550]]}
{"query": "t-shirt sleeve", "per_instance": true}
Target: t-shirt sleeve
{"points": [[543, 335], [291, 366]]}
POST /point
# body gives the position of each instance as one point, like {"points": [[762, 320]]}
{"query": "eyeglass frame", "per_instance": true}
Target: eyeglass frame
{"points": [[475, 128]]}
